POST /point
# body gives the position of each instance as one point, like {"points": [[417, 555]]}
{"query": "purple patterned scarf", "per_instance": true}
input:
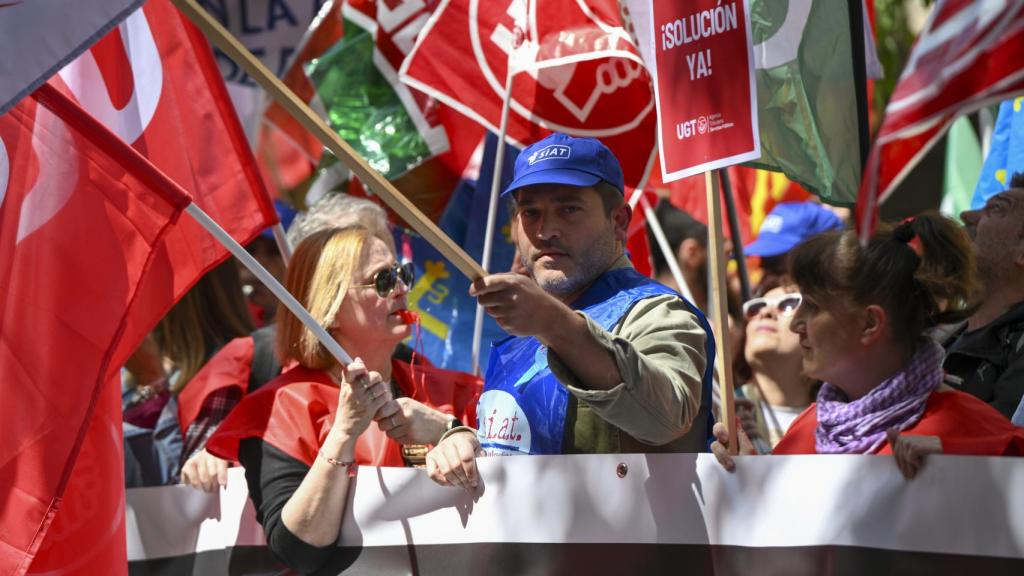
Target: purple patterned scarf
{"points": [[859, 427]]}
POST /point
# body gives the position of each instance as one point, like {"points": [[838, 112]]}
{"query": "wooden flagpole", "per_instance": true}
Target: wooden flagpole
{"points": [[330, 139], [719, 307]]}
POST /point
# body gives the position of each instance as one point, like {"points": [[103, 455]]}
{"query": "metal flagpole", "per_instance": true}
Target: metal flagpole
{"points": [[492, 207], [670, 257], [270, 282], [281, 239]]}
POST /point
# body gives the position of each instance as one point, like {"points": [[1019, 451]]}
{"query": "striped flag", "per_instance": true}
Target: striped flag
{"points": [[967, 55]]}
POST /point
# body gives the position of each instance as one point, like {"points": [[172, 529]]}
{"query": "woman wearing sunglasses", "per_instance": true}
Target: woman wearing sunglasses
{"points": [[862, 326], [776, 391], [301, 437]]}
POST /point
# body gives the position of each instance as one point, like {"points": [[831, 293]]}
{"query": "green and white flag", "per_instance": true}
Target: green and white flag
{"points": [[363, 105]]}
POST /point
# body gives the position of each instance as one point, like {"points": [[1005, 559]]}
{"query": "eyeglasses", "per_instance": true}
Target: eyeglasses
{"points": [[784, 305], [384, 281]]}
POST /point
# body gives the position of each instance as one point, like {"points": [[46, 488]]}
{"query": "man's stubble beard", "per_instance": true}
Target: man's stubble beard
{"points": [[588, 266]]}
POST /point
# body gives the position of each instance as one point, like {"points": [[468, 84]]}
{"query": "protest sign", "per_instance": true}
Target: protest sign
{"points": [[704, 86]]}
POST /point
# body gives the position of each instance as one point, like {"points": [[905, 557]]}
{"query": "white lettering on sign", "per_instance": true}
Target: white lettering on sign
{"points": [[700, 64], [703, 24]]}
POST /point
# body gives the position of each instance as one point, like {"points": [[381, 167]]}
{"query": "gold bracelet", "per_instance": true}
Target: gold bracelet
{"points": [[349, 465]]}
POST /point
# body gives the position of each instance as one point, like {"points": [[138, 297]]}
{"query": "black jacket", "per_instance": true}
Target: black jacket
{"points": [[990, 361]]}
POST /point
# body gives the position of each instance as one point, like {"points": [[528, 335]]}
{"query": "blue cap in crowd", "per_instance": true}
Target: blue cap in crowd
{"points": [[562, 159], [789, 224]]}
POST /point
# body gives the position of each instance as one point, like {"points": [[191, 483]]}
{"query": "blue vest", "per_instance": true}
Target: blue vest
{"points": [[523, 407]]}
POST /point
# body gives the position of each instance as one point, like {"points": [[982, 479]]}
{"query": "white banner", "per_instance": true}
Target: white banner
{"points": [[38, 37], [801, 514]]}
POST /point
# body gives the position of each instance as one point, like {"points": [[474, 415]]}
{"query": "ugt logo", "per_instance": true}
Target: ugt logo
{"points": [[594, 84]]}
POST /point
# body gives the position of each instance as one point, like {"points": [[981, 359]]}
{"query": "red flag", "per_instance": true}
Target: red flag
{"points": [[967, 56], [598, 88], [36, 44], [154, 82], [288, 153], [81, 215], [755, 192]]}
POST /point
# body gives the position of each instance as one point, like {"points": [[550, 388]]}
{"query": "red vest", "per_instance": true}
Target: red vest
{"points": [[966, 425], [294, 412]]}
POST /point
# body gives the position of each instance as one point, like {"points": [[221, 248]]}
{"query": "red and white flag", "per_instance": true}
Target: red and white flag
{"points": [[153, 81], [82, 216], [41, 36], [153, 84], [578, 71], [967, 56]]}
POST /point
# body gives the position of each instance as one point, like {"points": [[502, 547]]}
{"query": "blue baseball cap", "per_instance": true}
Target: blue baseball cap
{"points": [[562, 159], [789, 224]]}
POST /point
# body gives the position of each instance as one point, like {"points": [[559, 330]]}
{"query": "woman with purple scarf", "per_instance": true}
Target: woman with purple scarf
{"points": [[862, 325]]}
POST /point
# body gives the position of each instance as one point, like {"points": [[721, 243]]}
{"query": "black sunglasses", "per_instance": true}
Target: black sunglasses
{"points": [[385, 280]]}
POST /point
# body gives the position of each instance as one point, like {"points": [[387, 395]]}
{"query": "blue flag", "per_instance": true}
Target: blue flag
{"points": [[1005, 155], [441, 293]]}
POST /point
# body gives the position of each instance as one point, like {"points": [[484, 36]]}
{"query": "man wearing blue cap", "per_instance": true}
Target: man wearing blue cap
{"points": [[788, 224], [602, 359]]}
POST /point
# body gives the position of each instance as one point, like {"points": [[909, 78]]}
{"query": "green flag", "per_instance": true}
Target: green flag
{"points": [[807, 103], [363, 107], [963, 167]]}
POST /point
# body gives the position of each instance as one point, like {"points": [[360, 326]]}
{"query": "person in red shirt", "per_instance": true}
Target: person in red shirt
{"points": [[862, 325], [301, 436]]}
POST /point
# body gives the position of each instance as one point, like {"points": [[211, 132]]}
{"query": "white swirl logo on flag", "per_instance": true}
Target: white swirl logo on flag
{"points": [[56, 180], [5, 172], [579, 75], [83, 77]]}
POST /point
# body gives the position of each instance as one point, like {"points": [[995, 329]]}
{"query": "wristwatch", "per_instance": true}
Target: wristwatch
{"points": [[452, 424]]}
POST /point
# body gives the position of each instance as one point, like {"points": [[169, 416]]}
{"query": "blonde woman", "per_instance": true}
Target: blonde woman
{"points": [[301, 437]]}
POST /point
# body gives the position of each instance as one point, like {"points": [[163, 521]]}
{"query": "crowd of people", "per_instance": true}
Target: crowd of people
{"points": [[909, 345]]}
